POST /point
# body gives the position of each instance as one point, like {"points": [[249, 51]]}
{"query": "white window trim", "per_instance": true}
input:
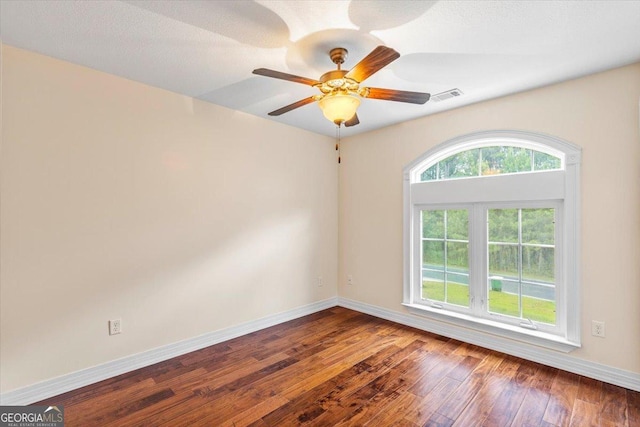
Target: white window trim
{"points": [[561, 185]]}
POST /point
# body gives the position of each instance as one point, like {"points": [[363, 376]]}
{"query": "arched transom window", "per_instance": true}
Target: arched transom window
{"points": [[491, 229], [491, 160]]}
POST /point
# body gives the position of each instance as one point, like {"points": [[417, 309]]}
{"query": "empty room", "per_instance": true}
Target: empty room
{"points": [[322, 213]]}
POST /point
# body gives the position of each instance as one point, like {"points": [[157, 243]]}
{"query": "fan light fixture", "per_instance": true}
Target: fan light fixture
{"points": [[339, 107]]}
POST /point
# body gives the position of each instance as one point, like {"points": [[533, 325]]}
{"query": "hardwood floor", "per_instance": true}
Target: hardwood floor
{"points": [[342, 368]]}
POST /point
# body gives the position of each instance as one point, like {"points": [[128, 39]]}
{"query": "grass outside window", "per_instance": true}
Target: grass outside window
{"points": [[499, 302]]}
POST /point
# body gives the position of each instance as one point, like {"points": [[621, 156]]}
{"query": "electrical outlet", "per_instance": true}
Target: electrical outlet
{"points": [[320, 284], [115, 326], [597, 328], [350, 280]]}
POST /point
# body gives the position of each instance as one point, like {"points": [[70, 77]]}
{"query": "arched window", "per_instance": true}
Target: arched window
{"points": [[491, 160], [491, 236]]}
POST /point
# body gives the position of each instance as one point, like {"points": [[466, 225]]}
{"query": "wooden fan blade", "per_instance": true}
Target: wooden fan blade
{"points": [[293, 106], [284, 76], [378, 58], [398, 95], [352, 121]]}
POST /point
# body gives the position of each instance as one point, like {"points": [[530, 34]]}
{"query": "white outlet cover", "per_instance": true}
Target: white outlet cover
{"points": [[597, 329], [115, 327]]}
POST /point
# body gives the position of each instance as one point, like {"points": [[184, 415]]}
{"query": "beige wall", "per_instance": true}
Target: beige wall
{"points": [[598, 113], [120, 200]]}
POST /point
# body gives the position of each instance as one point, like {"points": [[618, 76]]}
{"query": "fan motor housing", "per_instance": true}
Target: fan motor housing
{"points": [[333, 75]]}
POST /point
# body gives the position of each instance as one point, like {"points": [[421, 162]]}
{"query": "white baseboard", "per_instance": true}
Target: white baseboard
{"points": [[608, 374], [74, 380], [55, 386]]}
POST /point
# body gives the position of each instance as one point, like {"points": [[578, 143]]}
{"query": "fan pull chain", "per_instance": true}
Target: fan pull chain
{"points": [[338, 141]]}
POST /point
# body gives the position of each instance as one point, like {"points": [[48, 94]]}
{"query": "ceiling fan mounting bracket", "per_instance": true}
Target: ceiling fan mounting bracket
{"points": [[338, 55]]}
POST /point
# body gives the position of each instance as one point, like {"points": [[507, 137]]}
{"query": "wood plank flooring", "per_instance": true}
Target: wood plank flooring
{"points": [[343, 368]]}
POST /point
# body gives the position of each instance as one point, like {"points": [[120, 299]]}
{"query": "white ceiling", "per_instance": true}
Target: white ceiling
{"points": [[207, 49]]}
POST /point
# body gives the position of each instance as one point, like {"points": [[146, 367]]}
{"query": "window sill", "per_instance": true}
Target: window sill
{"points": [[537, 338]]}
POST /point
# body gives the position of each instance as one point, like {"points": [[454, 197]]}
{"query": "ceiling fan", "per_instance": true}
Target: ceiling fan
{"points": [[340, 89]]}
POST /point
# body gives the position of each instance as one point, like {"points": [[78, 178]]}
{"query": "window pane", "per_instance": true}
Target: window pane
{"points": [[538, 226], [458, 255], [457, 293], [504, 159], [503, 225], [539, 310], [539, 303], [458, 224], [433, 290], [458, 273], [430, 174], [490, 161], [538, 263], [433, 224], [445, 256], [517, 160], [433, 285], [464, 164], [459, 276], [539, 290], [504, 296], [433, 254], [544, 161], [433, 274], [503, 260], [521, 278]]}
